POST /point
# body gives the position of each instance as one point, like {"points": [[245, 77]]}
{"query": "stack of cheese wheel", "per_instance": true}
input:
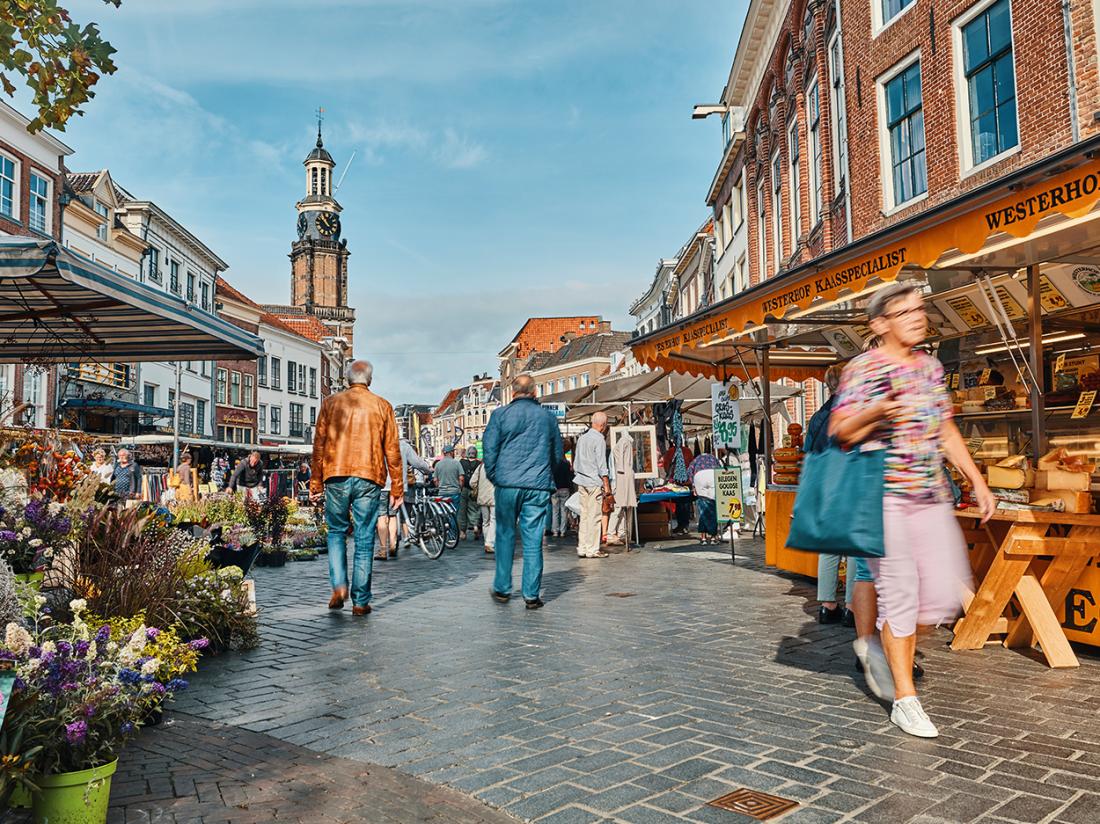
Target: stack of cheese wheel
{"points": [[787, 462]]}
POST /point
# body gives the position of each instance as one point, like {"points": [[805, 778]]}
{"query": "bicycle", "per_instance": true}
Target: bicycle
{"points": [[446, 509], [421, 520]]}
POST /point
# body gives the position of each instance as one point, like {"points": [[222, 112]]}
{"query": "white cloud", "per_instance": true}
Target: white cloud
{"points": [[459, 152]]}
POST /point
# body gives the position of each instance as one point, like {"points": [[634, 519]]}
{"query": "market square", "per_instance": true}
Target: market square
{"points": [[608, 412]]}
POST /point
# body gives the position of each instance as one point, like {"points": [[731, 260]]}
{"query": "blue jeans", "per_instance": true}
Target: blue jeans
{"points": [[828, 573], [530, 508], [362, 498], [708, 516]]}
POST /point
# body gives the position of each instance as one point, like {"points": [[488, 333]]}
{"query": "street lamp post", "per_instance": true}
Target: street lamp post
{"points": [[176, 422]]}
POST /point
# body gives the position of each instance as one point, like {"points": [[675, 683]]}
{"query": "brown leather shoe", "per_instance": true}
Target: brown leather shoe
{"points": [[338, 598], [361, 610]]}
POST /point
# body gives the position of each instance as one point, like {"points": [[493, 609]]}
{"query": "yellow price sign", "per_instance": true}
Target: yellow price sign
{"points": [[1084, 404], [1060, 363], [728, 498], [984, 379]]}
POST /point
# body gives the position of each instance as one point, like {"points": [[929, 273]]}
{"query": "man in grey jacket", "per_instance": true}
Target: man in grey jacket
{"points": [[591, 477], [521, 446]]}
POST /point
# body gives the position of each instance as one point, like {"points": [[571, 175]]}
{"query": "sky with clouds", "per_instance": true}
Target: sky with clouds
{"points": [[512, 157]]}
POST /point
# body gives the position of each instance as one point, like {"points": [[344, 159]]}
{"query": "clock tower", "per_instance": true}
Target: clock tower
{"points": [[319, 258]]}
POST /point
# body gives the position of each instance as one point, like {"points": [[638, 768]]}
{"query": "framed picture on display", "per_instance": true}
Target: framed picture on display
{"points": [[645, 448]]}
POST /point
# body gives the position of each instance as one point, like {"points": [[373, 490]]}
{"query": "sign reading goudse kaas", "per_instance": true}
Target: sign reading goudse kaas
{"points": [[1072, 193]]}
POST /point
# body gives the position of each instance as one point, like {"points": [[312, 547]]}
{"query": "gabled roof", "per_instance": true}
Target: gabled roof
{"points": [[585, 347], [448, 401], [279, 323], [81, 182], [544, 334], [307, 326]]}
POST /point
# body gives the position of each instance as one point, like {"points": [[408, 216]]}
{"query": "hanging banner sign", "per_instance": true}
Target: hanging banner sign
{"points": [[727, 494], [726, 415], [557, 410]]}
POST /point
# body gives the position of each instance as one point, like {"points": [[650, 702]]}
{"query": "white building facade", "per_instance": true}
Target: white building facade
{"points": [[178, 263], [289, 379]]}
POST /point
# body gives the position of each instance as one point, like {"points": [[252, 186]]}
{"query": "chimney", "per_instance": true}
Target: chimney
{"points": [[568, 336], [604, 327]]}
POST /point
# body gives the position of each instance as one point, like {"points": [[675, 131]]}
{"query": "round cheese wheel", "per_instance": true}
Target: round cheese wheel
{"points": [[786, 453], [786, 479]]}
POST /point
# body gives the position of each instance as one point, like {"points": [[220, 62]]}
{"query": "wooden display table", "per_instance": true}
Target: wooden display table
{"points": [[1036, 558], [778, 507]]}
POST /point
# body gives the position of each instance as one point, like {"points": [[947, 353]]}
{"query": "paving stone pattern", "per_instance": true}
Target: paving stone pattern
{"points": [[708, 678]]}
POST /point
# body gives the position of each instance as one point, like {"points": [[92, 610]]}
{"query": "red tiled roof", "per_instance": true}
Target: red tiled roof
{"points": [[221, 285], [279, 323], [81, 182], [306, 326], [448, 400]]}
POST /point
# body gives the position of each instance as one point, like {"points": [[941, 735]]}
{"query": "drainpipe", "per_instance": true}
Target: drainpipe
{"points": [[844, 137], [1071, 70]]}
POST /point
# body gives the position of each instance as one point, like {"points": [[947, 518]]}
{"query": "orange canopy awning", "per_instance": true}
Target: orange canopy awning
{"points": [[963, 225]]}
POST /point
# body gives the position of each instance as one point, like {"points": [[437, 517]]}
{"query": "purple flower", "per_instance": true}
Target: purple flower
{"points": [[89, 710], [81, 648], [177, 685], [151, 633], [129, 676], [199, 643], [157, 688], [103, 635], [76, 732], [127, 728], [7, 535]]}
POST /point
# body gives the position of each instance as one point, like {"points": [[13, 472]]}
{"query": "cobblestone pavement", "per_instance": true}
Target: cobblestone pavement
{"points": [[650, 683]]}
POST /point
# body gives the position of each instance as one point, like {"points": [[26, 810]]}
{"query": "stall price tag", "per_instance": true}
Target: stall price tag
{"points": [[974, 445], [990, 392], [1084, 404], [954, 380], [726, 415], [984, 379], [727, 488], [1060, 363]]}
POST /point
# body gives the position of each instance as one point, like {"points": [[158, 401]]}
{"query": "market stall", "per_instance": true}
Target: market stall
{"points": [[1010, 274]]}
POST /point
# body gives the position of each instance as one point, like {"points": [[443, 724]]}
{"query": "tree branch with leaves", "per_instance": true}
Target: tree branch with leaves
{"points": [[60, 60]]}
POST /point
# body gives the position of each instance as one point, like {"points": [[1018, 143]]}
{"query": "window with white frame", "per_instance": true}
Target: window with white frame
{"points": [[105, 217], [727, 218], [261, 369], [777, 208], [174, 276], [39, 217], [886, 10], [261, 418], [250, 391], [813, 126], [741, 277], [762, 229], [154, 264], [795, 184], [276, 419], [8, 187], [234, 388], [840, 122], [983, 40], [903, 114], [223, 378]]}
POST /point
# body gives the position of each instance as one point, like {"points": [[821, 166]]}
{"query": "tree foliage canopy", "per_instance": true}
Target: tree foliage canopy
{"points": [[60, 60]]}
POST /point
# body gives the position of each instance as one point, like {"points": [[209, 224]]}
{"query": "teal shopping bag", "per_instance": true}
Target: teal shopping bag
{"points": [[838, 509]]}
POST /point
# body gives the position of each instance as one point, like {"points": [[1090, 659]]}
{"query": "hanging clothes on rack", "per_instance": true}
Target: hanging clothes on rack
{"points": [[753, 453]]}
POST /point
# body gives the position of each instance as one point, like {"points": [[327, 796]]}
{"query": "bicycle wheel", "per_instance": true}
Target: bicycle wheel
{"points": [[432, 534], [450, 519]]}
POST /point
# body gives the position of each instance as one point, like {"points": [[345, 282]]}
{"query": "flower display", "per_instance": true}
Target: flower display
{"points": [[31, 532]]}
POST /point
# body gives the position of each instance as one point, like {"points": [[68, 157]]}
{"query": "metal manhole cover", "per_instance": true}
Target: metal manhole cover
{"points": [[621, 594], [755, 804]]}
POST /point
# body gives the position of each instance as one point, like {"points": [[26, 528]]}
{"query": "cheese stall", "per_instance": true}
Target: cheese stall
{"points": [[1010, 274]]}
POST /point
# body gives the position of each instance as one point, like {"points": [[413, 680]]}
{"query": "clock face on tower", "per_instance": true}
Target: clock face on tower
{"points": [[303, 226], [328, 224]]}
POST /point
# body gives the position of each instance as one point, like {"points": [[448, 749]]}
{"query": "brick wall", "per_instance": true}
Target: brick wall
{"points": [[20, 224], [1041, 84]]}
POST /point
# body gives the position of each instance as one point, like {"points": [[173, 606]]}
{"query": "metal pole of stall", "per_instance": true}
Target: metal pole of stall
{"points": [[1035, 354], [176, 423]]}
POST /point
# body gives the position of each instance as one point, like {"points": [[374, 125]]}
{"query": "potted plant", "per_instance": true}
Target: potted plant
{"points": [[272, 555], [78, 698], [238, 547]]}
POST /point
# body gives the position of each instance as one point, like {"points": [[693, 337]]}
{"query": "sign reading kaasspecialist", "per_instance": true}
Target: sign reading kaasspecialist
{"points": [[727, 494], [726, 413]]}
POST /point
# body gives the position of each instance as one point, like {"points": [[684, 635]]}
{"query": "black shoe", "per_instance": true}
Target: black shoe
{"points": [[829, 616], [536, 604], [849, 619], [500, 599]]}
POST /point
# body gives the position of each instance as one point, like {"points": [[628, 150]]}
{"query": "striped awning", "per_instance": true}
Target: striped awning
{"points": [[56, 305]]}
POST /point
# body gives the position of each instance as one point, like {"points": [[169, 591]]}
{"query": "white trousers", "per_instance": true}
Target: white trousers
{"points": [[589, 531], [489, 525]]}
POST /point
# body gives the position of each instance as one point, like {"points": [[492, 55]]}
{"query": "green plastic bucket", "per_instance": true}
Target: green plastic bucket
{"points": [[76, 797]]}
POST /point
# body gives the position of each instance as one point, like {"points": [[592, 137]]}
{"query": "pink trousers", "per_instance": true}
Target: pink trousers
{"points": [[925, 571]]}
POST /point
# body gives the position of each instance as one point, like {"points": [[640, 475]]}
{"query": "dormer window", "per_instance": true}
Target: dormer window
{"points": [[105, 213]]}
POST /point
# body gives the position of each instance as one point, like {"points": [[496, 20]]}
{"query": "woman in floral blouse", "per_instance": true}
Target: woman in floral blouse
{"points": [[893, 397]]}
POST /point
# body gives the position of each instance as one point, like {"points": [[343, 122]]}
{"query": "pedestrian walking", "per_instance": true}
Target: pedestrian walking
{"points": [[355, 445], [387, 513], [893, 397], [249, 476], [469, 513], [484, 495], [563, 482], [590, 473], [703, 486], [126, 476], [830, 611], [185, 490], [449, 479], [521, 446]]}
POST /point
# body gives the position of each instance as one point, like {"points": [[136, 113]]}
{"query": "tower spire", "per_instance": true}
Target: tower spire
{"points": [[320, 117]]}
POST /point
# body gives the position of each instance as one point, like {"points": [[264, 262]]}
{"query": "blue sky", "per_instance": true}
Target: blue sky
{"points": [[514, 157]]}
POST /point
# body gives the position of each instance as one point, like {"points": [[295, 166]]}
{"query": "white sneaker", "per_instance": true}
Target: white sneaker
{"points": [[909, 716], [875, 668]]}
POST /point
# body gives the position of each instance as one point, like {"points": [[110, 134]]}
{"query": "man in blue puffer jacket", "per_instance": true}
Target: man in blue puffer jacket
{"points": [[522, 445]]}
